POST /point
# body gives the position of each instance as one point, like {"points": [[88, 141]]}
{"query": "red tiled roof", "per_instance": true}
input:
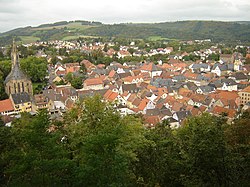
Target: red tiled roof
{"points": [[6, 105], [165, 66], [110, 96], [150, 67], [219, 94], [219, 110], [88, 64], [143, 104], [177, 106], [152, 120], [112, 73], [94, 81], [190, 75], [101, 66], [123, 52]]}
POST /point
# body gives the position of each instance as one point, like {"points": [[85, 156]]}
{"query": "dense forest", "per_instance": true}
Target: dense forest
{"points": [[182, 30], [95, 146]]}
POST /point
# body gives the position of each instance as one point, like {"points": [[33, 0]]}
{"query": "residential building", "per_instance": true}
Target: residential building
{"points": [[244, 95]]}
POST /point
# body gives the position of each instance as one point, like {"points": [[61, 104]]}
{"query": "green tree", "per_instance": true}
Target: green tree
{"points": [[213, 56], [238, 141], [131, 50], [159, 162], [37, 156], [5, 67], [63, 52], [203, 150], [3, 95], [54, 60], [104, 143], [77, 82], [36, 68]]}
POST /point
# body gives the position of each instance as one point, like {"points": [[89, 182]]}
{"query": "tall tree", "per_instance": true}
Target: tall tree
{"points": [[37, 156], [36, 68], [103, 143], [238, 140], [203, 150], [159, 162]]}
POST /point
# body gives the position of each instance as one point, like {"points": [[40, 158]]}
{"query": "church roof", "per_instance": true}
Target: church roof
{"points": [[16, 72], [20, 98]]}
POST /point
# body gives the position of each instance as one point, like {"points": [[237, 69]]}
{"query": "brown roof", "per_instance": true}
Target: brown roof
{"points": [[110, 96], [94, 81], [165, 66], [143, 104], [177, 106], [136, 102], [6, 105], [112, 73], [152, 120], [219, 110], [40, 99], [219, 94], [247, 89], [88, 64], [150, 67], [190, 75]]}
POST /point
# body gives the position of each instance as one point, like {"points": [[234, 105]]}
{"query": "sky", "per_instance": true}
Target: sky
{"points": [[22, 13]]}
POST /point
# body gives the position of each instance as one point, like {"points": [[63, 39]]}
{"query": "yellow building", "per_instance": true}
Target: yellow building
{"points": [[21, 102], [244, 95]]}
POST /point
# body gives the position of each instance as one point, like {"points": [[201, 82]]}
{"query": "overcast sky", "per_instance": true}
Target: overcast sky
{"points": [[21, 13]]}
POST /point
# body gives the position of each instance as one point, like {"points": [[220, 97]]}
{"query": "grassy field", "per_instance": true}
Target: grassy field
{"points": [[29, 39], [77, 36]]}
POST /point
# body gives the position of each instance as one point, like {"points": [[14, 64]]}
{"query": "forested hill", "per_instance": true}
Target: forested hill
{"points": [[184, 30]]}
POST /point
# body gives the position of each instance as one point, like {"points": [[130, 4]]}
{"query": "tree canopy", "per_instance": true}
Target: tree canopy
{"points": [[95, 146]]}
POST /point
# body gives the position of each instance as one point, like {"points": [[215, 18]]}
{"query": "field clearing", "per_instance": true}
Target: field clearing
{"points": [[78, 36], [74, 26], [29, 39]]}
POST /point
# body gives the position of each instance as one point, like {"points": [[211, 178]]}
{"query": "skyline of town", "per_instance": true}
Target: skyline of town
{"points": [[178, 83]]}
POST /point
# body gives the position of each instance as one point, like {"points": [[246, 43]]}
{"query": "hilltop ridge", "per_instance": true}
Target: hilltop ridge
{"points": [[217, 31]]}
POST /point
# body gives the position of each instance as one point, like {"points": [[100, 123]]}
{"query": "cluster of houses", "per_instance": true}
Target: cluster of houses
{"points": [[88, 48], [170, 91]]}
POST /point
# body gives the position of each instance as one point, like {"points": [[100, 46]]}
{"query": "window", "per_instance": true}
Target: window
{"points": [[22, 86], [15, 87], [18, 86]]}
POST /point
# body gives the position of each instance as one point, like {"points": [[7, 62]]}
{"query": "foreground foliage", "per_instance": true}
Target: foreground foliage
{"points": [[95, 146]]}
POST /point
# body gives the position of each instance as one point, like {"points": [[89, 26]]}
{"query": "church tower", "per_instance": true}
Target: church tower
{"points": [[17, 81]]}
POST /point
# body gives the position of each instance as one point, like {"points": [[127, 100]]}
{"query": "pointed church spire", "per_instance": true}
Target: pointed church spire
{"points": [[14, 54], [17, 82]]}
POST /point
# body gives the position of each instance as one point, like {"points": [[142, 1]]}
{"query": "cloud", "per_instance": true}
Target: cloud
{"points": [[20, 13]]}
